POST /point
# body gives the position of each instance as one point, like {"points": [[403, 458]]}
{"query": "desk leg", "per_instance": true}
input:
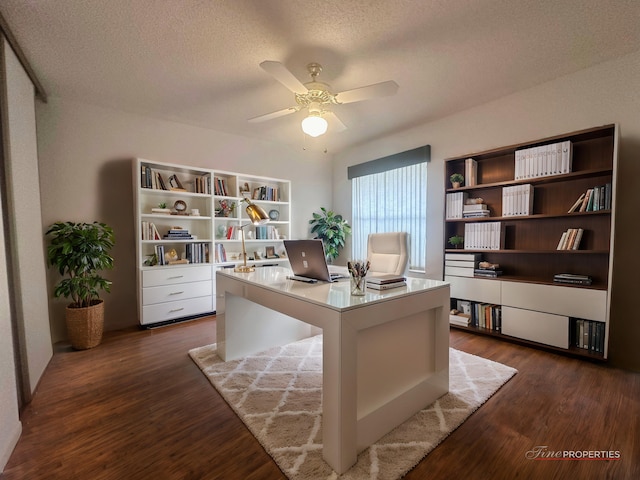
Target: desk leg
{"points": [[339, 421], [244, 328]]}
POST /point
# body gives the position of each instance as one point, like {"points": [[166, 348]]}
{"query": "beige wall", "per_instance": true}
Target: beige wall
{"points": [[85, 157], [606, 93]]}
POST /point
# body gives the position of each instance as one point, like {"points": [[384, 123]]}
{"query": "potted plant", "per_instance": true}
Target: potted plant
{"points": [[456, 180], [332, 229], [78, 251], [456, 241]]}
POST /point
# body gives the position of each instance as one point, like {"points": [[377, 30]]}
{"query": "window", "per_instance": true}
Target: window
{"points": [[391, 201]]}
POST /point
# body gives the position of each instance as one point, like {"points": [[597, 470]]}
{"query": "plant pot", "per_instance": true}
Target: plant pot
{"points": [[85, 325], [455, 184]]}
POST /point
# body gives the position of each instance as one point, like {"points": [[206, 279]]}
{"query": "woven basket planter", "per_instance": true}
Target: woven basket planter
{"points": [[85, 325]]}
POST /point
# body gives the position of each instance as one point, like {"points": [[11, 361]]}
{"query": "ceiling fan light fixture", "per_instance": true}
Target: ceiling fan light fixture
{"points": [[314, 125]]}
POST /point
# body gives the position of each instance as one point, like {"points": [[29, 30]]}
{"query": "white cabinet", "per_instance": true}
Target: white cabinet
{"points": [[183, 235]]}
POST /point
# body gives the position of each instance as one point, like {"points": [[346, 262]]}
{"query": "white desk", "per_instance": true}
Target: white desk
{"points": [[385, 355]]}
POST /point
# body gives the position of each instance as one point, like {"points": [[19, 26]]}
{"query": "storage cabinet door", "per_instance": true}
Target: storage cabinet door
{"points": [[536, 326], [560, 300], [476, 289]]}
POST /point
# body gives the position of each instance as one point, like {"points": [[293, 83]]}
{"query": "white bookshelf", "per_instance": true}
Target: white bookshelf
{"points": [[183, 286]]}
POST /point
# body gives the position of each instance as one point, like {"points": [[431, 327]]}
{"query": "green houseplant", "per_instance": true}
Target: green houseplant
{"points": [[456, 241], [456, 179], [332, 229], [79, 251]]}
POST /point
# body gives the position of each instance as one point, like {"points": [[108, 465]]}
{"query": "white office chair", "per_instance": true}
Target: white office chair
{"points": [[388, 253]]}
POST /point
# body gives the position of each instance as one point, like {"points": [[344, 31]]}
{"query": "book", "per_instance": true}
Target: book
{"points": [[571, 278], [470, 172], [488, 273], [577, 204], [386, 286], [384, 279], [175, 184]]}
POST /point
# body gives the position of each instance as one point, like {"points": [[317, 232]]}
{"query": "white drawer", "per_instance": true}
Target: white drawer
{"points": [[161, 312], [476, 289], [179, 291], [536, 326], [168, 276], [570, 301]]}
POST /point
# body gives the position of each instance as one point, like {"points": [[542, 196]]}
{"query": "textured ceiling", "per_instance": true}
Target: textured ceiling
{"points": [[197, 61]]}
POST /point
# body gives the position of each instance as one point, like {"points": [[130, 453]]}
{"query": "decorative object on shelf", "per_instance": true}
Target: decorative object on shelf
{"points": [[270, 252], [358, 270], [161, 208], [195, 212], [152, 259], [456, 241], [274, 215], [171, 256], [225, 208], [79, 251], [456, 180], [332, 229], [257, 216], [180, 208], [245, 190]]}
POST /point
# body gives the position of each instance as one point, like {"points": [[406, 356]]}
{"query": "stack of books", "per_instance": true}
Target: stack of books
{"points": [[475, 210], [385, 282], [459, 318], [487, 270], [571, 278], [177, 233]]}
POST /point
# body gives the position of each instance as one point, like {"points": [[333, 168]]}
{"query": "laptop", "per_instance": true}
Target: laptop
{"points": [[308, 261]]}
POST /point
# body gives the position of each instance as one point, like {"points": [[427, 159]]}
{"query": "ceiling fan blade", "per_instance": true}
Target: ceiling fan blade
{"points": [[272, 115], [284, 76], [335, 122], [382, 89]]}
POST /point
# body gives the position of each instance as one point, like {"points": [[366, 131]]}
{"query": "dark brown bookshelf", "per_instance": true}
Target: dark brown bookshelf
{"points": [[528, 253]]}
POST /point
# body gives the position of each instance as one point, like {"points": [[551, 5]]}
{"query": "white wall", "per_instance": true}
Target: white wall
{"points": [[606, 93], [85, 175]]}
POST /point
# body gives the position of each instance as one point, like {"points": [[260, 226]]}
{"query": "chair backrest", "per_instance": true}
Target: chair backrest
{"points": [[388, 252]]}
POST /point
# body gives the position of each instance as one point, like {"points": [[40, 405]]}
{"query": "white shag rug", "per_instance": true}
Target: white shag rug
{"points": [[278, 395]]}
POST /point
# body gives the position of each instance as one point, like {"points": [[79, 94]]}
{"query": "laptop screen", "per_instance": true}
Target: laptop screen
{"points": [[307, 259]]}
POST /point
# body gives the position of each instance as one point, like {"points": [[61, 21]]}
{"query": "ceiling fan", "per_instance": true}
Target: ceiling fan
{"points": [[317, 97]]}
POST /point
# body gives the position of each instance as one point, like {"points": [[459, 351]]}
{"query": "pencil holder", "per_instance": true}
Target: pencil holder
{"points": [[358, 271]]}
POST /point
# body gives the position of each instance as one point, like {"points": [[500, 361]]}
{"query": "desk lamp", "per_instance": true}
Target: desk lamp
{"points": [[257, 216]]}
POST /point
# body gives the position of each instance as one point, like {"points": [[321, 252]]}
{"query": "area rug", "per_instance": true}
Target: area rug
{"points": [[278, 395]]}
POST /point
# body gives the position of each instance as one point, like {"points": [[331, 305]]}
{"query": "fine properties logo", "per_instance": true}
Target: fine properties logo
{"points": [[542, 452]]}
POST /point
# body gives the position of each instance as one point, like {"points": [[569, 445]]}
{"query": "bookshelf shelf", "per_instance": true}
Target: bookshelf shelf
{"points": [[526, 303]]}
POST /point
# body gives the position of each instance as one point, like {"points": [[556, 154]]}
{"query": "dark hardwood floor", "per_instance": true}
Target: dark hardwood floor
{"points": [[137, 407]]}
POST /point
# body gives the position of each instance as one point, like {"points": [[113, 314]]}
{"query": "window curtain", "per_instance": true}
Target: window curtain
{"points": [[391, 201]]}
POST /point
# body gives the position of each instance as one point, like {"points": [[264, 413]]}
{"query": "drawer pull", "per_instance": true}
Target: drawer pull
{"points": [[177, 293], [176, 310], [174, 277]]}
